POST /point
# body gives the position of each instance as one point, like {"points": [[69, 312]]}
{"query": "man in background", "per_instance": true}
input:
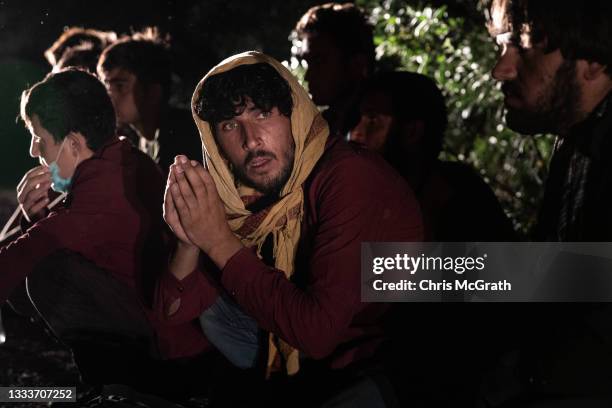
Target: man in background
{"points": [[337, 44], [137, 73]]}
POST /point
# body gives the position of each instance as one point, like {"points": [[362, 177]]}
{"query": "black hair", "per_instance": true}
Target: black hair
{"points": [[580, 30], [224, 95], [93, 40], [145, 54], [414, 97], [81, 56], [71, 100], [346, 24]]}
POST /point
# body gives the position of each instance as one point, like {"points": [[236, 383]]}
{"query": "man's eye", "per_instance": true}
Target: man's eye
{"points": [[227, 126], [264, 115]]}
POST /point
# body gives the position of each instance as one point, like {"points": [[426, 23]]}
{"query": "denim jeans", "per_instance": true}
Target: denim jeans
{"points": [[232, 332]]}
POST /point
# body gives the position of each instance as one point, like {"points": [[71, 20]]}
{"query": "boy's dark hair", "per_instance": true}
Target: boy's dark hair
{"points": [[414, 97], [93, 40], [71, 100], [145, 54], [81, 56], [224, 95], [580, 30], [346, 24]]}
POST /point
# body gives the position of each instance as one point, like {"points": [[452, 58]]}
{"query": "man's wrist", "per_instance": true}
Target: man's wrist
{"points": [[184, 261], [224, 250], [186, 248]]}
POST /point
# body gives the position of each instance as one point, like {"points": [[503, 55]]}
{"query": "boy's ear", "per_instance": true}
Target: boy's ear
{"points": [[77, 142]]}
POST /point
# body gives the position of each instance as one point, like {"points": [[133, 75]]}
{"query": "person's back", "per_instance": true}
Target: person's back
{"points": [[469, 210]]}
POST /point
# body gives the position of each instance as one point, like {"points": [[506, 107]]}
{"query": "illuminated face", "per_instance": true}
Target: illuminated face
{"points": [[540, 88], [327, 75], [126, 94], [46, 149], [259, 146], [376, 121]]}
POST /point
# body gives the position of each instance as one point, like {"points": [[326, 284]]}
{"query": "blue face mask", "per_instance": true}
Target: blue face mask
{"points": [[59, 183]]}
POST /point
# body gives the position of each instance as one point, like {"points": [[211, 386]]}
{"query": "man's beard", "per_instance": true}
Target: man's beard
{"points": [[556, 109], [270, 185]]}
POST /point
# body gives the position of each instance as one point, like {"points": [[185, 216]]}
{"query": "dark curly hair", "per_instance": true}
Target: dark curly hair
{"points": [[225, 95]]}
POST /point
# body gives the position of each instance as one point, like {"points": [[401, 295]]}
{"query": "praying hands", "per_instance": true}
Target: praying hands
{"points": [[195, 213]]}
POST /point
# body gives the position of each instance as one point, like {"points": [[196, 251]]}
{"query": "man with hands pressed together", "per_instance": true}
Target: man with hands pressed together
{"points": [[279, 216]]}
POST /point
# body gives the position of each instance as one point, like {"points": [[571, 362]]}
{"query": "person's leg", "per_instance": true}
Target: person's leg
{"points": [[232, 332], [98, 317]]}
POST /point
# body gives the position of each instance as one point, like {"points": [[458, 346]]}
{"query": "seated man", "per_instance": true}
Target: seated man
{"points": [[280, 216], [336, 41], [403, 117], [92, 262], [137, 73]]}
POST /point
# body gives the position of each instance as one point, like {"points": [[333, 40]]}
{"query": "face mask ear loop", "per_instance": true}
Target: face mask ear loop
{"points": [[60, 149]]}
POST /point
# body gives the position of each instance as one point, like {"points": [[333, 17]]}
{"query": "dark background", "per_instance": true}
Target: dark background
{"points": [[203, 33]]}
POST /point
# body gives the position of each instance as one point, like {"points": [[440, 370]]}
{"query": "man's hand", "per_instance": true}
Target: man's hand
{"points": [[201, 212], [33, 192], [171, 215]]}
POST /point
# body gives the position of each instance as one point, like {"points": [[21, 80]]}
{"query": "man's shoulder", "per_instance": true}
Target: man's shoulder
{"points": [[117, 166], [122, 155], [352, 186], [347, 162]]}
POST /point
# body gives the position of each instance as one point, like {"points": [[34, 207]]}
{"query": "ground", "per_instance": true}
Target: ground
{"points": [[30, 357]]}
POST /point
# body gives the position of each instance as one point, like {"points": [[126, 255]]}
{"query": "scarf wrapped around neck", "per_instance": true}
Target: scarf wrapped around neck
{"points": [[281, 219]]}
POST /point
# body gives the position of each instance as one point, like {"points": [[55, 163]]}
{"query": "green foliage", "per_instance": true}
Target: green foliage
{"points": [[459, 55]]}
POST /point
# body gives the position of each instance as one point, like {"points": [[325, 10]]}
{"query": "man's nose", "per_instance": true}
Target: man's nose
{"points": [[34, 149], [358, 134], [506, 67], [251, 135]]}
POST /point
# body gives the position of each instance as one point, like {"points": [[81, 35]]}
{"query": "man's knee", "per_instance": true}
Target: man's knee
{"points": [[73, 295]]}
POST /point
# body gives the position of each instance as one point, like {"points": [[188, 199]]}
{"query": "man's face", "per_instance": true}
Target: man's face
{"points": [[46, 149], [126, 94], [540, 88], [376, 121], [259, 146], [327, 71]]}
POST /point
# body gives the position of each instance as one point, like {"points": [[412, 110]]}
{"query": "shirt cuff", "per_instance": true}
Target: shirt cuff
{"points": [[177, 288]]}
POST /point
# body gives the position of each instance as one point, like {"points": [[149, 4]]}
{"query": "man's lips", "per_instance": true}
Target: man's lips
{"points": [[259, 162]]}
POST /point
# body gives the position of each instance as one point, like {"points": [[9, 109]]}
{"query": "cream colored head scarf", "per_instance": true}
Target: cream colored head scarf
{"points": [[283, 221]]}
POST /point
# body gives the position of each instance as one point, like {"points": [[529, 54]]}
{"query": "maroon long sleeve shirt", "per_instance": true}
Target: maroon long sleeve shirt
{"points": [[113, 218], [352, 196]]}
